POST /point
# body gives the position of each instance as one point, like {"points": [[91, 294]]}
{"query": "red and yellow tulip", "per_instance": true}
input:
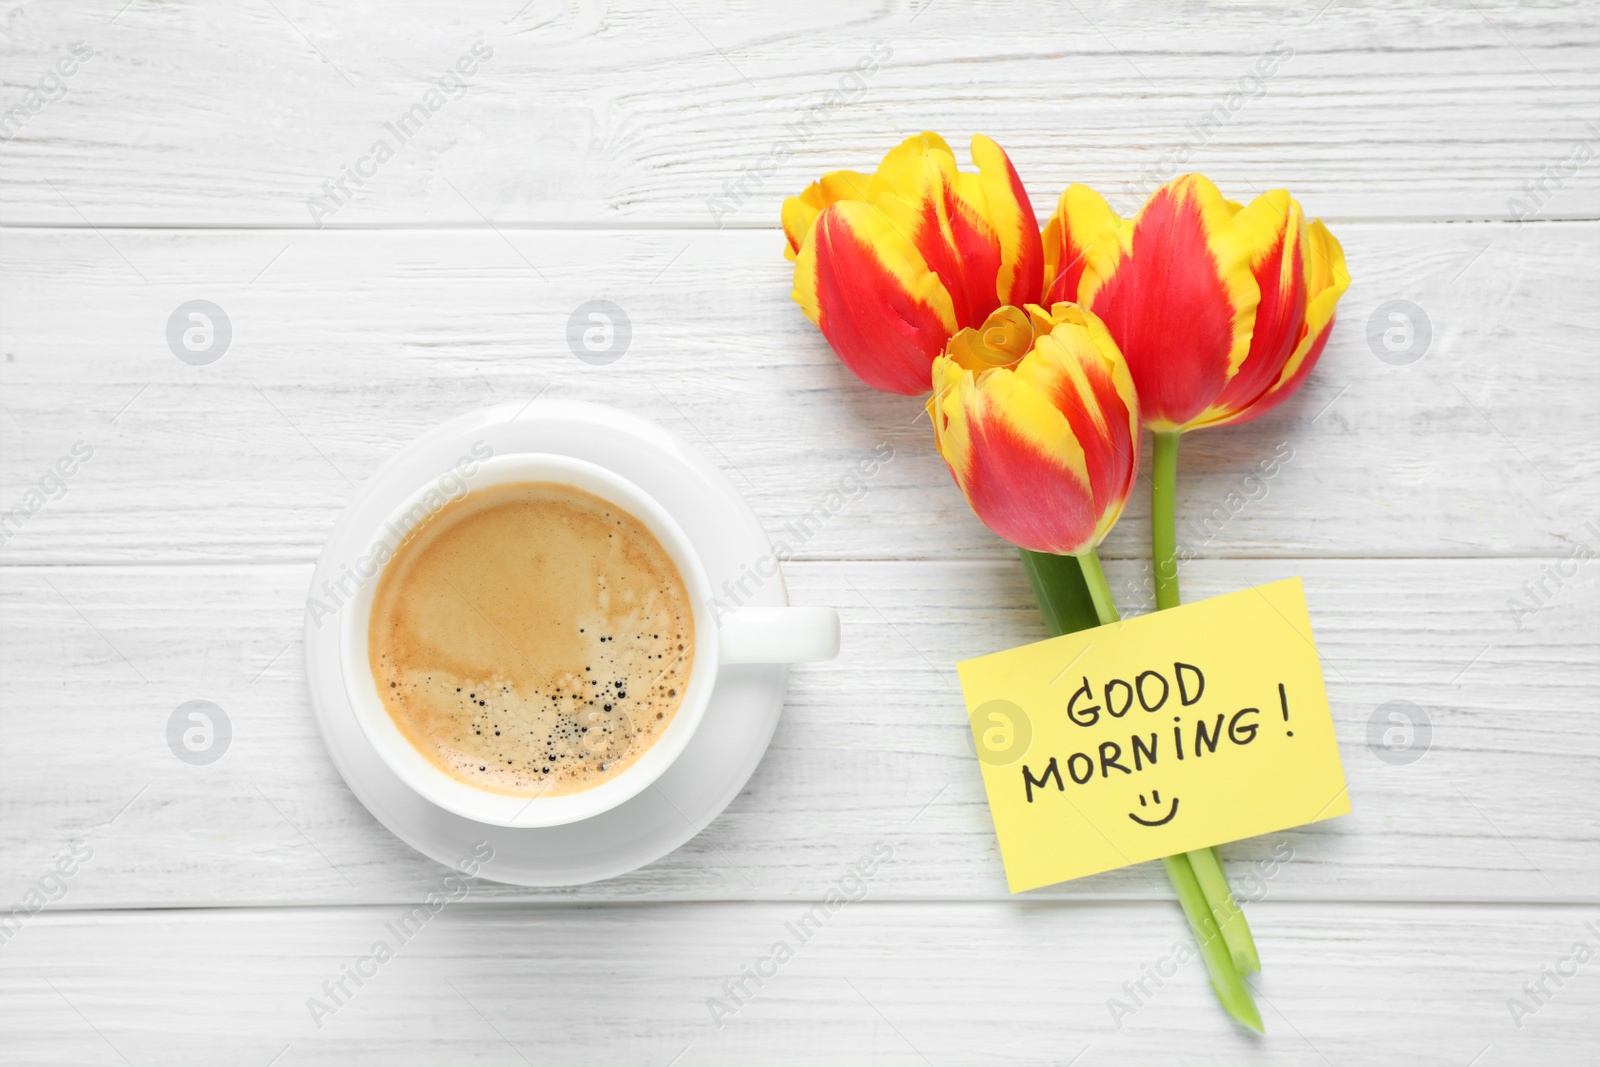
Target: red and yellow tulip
{"points": [[1196, 312], [1036, 415], [890, 265], [1221, 309]]}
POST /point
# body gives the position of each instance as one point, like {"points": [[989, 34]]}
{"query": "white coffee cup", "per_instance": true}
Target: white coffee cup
{"points": [[750, 635]]}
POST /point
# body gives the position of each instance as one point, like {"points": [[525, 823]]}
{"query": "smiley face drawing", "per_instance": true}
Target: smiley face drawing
{"points": [[1155, 797]]}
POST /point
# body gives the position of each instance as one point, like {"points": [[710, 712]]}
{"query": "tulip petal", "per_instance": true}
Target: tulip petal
{"points": [[1274, 227], [940, 210], [1305, 358], [1084, 232], [871, 293], [1181, 302], [1010, 213], [1326, 280], [1003, 339], [800, 212], [904, 154], [913, 253], [1015, 458], [1078, 368]]}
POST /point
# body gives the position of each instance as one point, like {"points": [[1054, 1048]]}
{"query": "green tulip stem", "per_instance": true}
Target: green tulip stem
{"points": [[1164, 520], [1206, 864], [1061, 592], [1226, 981], [1094, 576], [1067, 588]]}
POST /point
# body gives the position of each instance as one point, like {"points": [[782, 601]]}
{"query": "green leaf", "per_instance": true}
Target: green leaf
{"points": [[1060, 589]]}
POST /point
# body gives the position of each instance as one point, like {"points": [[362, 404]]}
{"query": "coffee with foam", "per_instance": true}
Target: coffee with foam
{"points": [[531, 639]]}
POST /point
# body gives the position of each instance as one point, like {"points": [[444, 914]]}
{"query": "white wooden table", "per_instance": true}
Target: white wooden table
{"points": [[638, 153]]}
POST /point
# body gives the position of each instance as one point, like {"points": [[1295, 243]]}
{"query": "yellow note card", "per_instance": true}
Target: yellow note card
{"points": [[1166, 733]]}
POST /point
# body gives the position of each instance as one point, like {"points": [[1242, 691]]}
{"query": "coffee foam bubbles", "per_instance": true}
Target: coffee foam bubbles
{"points": [[531, 639]]}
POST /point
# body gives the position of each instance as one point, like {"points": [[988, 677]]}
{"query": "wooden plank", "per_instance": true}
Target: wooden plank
{"points": [[597, 153], [347, 345], [1499, 806], [896, 983], [698, 114]]}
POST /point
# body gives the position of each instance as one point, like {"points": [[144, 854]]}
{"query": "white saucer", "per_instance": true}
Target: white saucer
{"points": [[744, 706]]}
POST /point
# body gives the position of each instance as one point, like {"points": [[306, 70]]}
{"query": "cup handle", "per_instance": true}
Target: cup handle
{"points": [[779, 635]]}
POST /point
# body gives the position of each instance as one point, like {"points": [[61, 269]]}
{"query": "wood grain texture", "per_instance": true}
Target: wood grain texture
{"points": [[873, 746], [638, 153], [630, 112], [874, 982], [348, 345]]}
